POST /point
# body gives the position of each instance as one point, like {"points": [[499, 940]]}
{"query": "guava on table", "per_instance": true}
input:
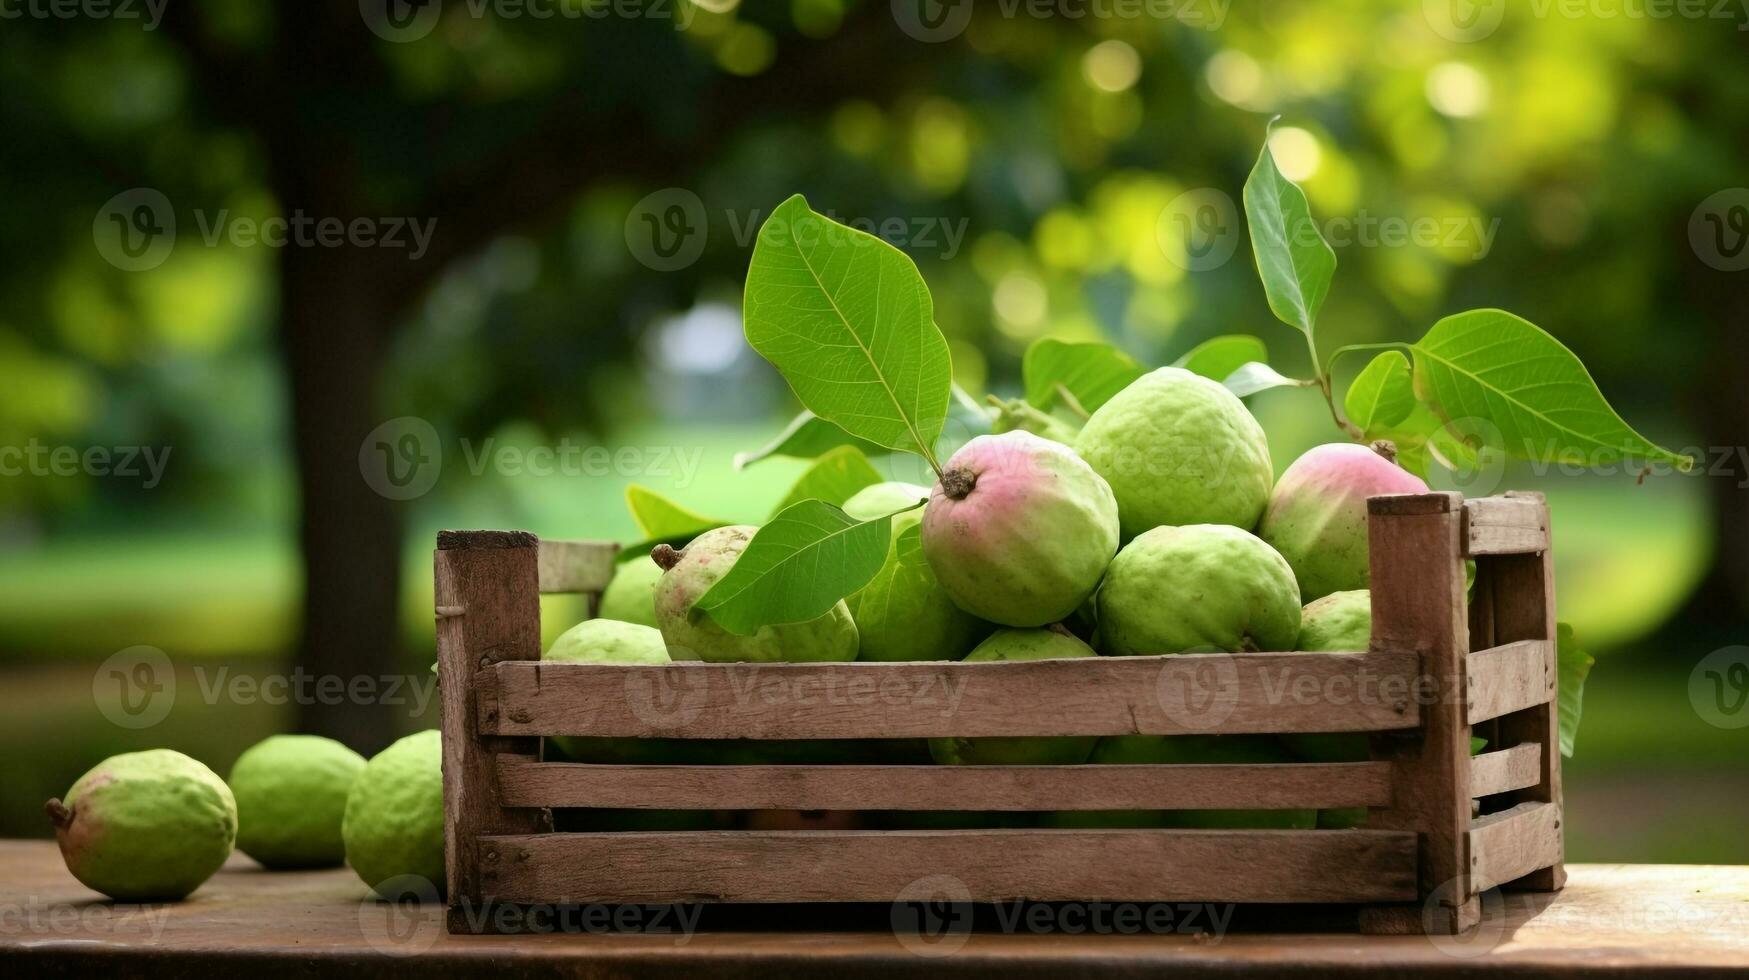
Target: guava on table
{"points": [[692, 635], [145, 826], [1188, 750], [1200, 587], [1066, 750], [291, 797], [630, 596], [1178, 448], [904, 613], [1019, 530], [1317, 513], [394, 814]]}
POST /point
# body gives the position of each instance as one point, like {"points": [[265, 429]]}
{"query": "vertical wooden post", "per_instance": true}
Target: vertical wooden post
{"points": [[1521, 591], [1416, 549], [488, 610]]}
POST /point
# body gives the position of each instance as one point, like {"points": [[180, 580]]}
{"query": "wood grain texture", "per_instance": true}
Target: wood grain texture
{"points": [[1505, 770], [1510, 677], [489, 612], [989, 865], [1511, 844], [1171, 787], [576, 566], [1416, 551], [1506, 525], [1175, 695]]}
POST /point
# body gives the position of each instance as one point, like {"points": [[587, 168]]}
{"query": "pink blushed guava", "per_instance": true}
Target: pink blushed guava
{"points": [[1317, 513], [1198, 588], [1019, 530], [903, 613]]}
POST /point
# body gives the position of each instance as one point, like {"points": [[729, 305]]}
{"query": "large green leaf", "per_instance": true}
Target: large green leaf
{"points": [[797, 567], [806, 437], [834, 477], [660, 518], [848, 321], [1090, 372], [1293, 259], [1218, 357], [1573, 665], [1491, 366], [1382, 395]]}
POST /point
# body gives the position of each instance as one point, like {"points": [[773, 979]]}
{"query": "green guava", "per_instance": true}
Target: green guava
{"points": [[1337, 622], [630, 596], [903, 613], [145, 825], [1178, 448], [1197, 588], [692, 635], [1137, 750], [1016, 413], [394, 814], [1019, 530], [1019, 644], [607, 641], [291, 796], [1317, 513]]}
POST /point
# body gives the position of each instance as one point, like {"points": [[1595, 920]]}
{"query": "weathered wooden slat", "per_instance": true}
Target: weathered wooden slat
{"points": [[1508, 525], [576, 566], [1510, 677], [1174, 695], [1508, 845], [523, 782], [1497, 772], [978, 865]]}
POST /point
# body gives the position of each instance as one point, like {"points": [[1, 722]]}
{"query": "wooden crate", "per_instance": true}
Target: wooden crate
{"points": [[1442, 826]]}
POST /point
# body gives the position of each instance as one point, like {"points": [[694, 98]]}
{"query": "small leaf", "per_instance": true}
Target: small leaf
{"points": [[1492, 366], [806, 437], [797, 567], [848, 322], [661, 518], [1572, 665], [1218, 357], [1382, 395], [834, 477], [1254, 377], [1090, 372], [1293, 260]]}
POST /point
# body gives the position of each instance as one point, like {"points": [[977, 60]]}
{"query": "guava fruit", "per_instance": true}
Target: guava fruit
{"points": [[692, 635], [1188, 750], [144, 826], [1020, 750], [1336, 622], [903, 613], [394, 814], [1178, 448], [1317, 514], [291, 796], [1016, 413], [607, 641], [1018, 529], [630, 596], [1198, 588]]}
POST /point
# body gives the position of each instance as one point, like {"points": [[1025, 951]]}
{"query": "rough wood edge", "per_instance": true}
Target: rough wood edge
{"points": [[457, 540], [524, 782], [1505, 525], [1511, 844], [576, 566], [1506, 769], [1510, 677]]}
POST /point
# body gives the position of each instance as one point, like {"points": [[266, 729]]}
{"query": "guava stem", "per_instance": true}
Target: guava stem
{"points": [[665, 556], [1059, 628], [957, 483], [1385, 448], [59, 815]]}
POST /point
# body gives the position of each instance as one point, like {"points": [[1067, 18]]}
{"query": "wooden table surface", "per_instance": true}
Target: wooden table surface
{"points": [[1611, 919]]}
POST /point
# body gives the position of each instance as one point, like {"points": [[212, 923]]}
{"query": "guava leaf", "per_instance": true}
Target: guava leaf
{"points": [[1256, 376], [834, 477], [849, 323], [1090, 372], [661, 518], [806, 437], [1218, 357], [1382, 395], [1572, 665], [904, 572], [797, 567], [1489, 366], [1293, 259]]}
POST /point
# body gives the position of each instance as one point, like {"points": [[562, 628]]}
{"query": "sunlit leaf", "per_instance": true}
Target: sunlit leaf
{"points": [[1293, 259], [1218, 357], [797, 567], [1254, 377], [1382, 395], [834, 477], [1090, 372], [806, 437], [1573, 665], [660, 518]]}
